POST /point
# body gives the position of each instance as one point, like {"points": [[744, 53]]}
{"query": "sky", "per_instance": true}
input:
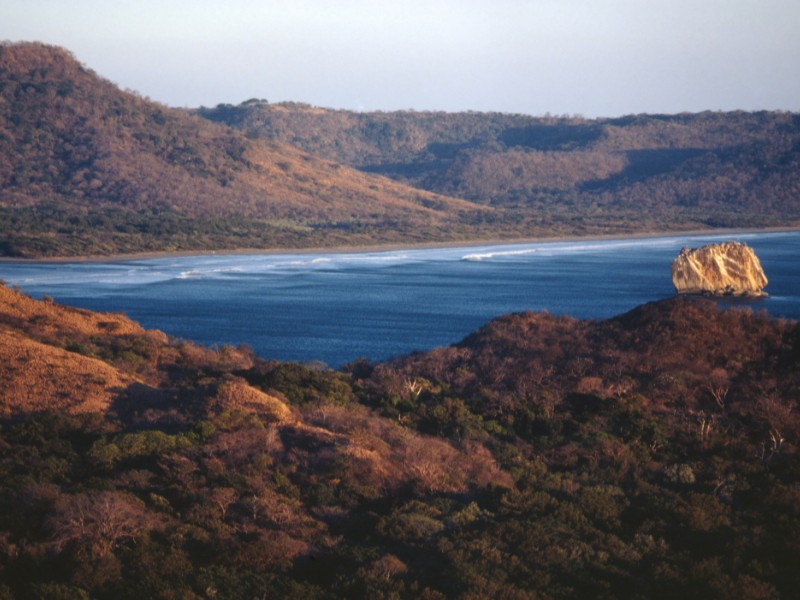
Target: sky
{"points": [[595, 58]]}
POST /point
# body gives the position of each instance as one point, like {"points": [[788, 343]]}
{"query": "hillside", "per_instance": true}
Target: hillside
{"points": [[652, 455], [86, 168], [569, 174]]}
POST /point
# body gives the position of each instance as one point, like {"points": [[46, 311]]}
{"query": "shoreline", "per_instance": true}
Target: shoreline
{"points": [[390, 247]]}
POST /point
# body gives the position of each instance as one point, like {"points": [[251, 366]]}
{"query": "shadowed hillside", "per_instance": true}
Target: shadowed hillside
{"points": [[642, 172], [87, 168], [652, 455]]}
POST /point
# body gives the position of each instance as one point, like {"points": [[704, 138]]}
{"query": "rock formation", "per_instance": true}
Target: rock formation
{"points": [[726, 269]]}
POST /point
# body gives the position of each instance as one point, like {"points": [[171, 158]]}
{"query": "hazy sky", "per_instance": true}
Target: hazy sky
{"points": [[589, 57]]}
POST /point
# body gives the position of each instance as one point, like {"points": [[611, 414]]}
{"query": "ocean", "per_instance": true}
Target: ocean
{"points": [[337, 307]]}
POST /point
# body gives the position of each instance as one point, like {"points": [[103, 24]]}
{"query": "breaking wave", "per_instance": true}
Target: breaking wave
{"points": [[498, 254]]}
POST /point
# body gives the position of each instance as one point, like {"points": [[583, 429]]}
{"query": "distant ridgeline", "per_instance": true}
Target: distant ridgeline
{"points": [[640, 172], [86, 168]]}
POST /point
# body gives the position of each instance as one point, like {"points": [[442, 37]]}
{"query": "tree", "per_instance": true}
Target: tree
{"points": [[718, 385], [98, 520]]}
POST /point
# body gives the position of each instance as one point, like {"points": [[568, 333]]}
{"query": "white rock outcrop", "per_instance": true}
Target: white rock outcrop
{"points": [[726, 269]]}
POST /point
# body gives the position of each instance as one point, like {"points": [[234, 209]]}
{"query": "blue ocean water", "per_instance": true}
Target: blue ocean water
{"points": [[337, 307]]}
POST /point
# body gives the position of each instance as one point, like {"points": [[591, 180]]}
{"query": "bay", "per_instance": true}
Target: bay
{"points": [[337, 307]]}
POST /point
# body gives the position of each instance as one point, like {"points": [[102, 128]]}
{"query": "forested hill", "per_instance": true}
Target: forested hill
{"points": [[650, 171], [88, 168], [653, 455]]}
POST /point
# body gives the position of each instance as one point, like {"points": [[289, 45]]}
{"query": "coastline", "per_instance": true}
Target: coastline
{"points": [[390, 247]]}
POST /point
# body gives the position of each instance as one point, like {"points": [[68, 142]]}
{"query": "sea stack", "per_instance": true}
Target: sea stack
{"points": [[726, 269]]}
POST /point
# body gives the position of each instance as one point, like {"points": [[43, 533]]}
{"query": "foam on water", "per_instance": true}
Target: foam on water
{"points": [[546, 249], [221, 266], [480, 256], [145, 272]]}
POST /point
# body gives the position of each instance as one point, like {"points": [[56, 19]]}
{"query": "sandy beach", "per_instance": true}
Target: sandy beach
{"points": [[352, 249]]}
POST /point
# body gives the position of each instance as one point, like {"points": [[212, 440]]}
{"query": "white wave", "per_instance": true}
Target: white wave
{"points": [[220, 271], [193, 274], [547, 249], [392, 256], [205, 273], [304, 262], [498, 254]]}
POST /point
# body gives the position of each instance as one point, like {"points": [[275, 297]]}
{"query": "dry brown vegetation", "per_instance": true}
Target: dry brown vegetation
{"points": [[564, 174], [46, 318], [88, 168], [234, 393], [36, 370], [37, 377], [57, 358], [653, 455], [684, 355]]}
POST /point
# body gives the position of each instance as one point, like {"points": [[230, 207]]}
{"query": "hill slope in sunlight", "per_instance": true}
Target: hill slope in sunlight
{"points": [[88, 168]]}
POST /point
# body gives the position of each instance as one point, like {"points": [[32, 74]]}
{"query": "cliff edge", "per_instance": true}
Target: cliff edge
{"points": [[726, 269]]}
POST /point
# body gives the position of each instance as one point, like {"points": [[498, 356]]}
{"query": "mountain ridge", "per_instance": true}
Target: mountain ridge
{"points": [[88, 168], [655, 171]]}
